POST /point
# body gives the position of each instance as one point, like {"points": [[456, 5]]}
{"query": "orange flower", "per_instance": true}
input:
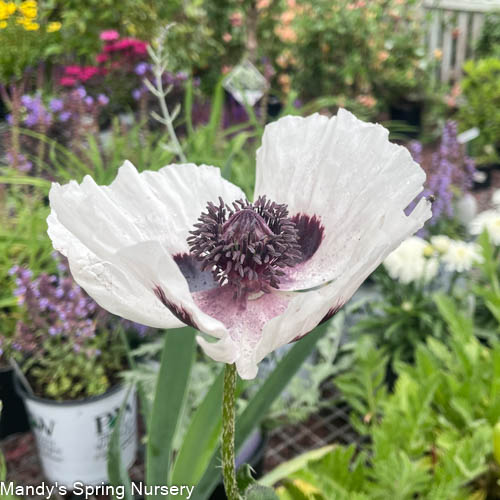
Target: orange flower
{"points": [[284, 81], [382, 56], [286, 33], [367, 100], [287, 17], [236, 19], [263, 4]]}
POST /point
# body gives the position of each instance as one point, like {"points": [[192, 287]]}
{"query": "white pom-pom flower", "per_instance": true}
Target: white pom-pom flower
{"points": [[441, 243], [495, 198], [461, 256], [183, 246], [412, 262], [489, 220]]}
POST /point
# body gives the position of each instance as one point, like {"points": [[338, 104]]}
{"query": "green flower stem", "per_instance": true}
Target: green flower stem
{"points": [[228, 417]]}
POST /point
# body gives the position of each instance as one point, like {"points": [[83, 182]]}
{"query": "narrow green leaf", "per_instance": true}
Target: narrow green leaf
{"points": [[201, 437], [257, 407], [25, 181], [176, 361], [288, 468], [117, 472]]}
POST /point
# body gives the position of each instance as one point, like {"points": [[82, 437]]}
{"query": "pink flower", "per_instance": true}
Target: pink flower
{"points": [[101, 58], [72, 70], [67, 81], [227, 37], [236, 19], [109, 35], [88, 72]]}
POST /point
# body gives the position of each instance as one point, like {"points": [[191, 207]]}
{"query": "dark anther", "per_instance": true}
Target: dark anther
{"points": [[246, 245]]}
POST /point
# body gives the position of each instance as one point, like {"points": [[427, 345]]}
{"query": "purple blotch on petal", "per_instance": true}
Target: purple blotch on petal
{"points": [[176, 310], [310, 232], [197, 279], [331, 312]]}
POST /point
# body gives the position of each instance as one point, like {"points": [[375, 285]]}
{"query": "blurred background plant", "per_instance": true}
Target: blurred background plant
{"points": [[65, 344]]}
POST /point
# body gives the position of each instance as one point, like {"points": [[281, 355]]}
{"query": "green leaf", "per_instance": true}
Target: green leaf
{"points": [[201, 438], [288, 468], [259, 492], [171, 390], [117, 472], [259, 405]]}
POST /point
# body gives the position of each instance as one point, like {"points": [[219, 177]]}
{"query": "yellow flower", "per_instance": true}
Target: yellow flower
{"points": [[28, 9], [11, 8], [31, 26], [54, 26], [3, 24]]}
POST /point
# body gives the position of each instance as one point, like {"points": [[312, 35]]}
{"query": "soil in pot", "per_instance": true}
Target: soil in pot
{"points": [[13, 418]]}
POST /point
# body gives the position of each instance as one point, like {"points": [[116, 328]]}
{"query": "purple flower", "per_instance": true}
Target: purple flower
{"points": [[451, 170], [26, 101], [89, 100], [31, 120], [80, 92], [136, 94], [103, 99], [141, 68], [9, 118], [56, 105], [65, 116]]}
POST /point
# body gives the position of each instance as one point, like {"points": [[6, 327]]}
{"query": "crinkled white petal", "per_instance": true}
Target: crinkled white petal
{"points": [[344, 171], [91, 225]]}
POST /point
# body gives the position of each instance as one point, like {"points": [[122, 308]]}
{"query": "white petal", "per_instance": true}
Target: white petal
{"points": [[112, 287], [244, 323], [308, 309], [94, 225], [346, 173]]}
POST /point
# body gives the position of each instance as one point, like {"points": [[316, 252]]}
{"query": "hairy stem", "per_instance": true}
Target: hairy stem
{"points": [[228, 416]]}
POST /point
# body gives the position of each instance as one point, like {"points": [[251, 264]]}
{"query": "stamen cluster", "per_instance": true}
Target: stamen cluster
{"points": [[246, 245]]}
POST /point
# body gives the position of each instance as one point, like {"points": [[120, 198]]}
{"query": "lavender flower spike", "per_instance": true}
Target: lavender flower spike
{"points": [[183, 246]]}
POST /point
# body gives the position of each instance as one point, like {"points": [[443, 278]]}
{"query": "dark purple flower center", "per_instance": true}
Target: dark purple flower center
{"points": [[246, 246]]}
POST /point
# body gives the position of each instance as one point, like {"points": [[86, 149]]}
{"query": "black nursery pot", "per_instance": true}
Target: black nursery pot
{"points": [[482, 179], [410, 113], [274, 106], [13, 418]]}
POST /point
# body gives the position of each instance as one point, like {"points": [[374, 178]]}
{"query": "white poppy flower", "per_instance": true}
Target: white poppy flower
{"points": [[489, 220], [410, 262], [170, 247], [461, 256]]}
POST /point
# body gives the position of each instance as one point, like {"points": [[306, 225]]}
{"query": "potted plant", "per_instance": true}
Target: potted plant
{"points": [[69, 356], [13, 418]]}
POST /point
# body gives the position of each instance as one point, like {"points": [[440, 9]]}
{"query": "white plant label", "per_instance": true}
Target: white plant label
{"points": [[468, 135], [245, 83]]}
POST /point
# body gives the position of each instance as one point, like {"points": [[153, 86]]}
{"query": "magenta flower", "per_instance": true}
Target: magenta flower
{"points": [[109, 35], [184, 246]]}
